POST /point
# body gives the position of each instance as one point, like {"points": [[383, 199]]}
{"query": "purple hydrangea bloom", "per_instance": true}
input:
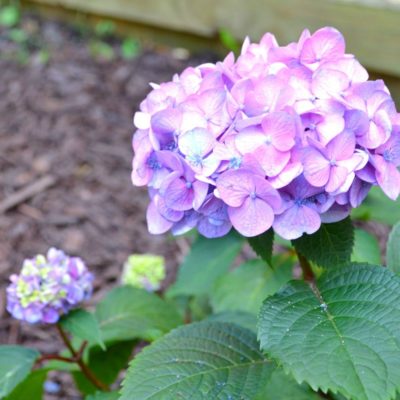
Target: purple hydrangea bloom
{"points": [[47, 287], [287, 137]]}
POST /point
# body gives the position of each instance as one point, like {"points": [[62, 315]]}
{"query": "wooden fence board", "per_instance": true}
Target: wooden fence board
{"points": [[372, 30]]}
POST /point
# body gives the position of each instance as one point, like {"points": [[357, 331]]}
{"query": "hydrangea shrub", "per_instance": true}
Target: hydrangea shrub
{"points": [[280, 144]]}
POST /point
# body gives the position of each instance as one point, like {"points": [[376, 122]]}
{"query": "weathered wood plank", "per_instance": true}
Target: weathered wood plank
{"points": [[372, 30]]}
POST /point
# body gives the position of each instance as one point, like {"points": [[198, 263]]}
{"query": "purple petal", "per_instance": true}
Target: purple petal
{"points": [[358, 192], [335, 213], [179, 194], [252, 218], [156, 223], [295, 221]]}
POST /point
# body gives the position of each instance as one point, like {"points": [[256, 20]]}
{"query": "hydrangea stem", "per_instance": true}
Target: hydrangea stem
{"points": [[308, 273], [78, 359]]}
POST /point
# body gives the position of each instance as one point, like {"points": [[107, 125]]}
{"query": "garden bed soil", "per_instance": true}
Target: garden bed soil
{"points": [[65, 160]]}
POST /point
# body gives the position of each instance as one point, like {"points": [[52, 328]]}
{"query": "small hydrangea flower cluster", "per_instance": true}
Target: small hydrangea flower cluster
{"points": [[145, 271], [287, 137], [48, 287]]}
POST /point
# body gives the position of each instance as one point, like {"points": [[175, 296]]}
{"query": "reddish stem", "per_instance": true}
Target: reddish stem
{"points": [[77, 357], [308, 273]]}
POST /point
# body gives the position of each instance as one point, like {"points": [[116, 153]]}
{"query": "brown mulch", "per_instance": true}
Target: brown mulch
{"points": [[65, 143]]}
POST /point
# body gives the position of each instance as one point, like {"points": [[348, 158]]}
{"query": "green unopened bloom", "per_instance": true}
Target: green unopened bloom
{"points": [[145, 271]]}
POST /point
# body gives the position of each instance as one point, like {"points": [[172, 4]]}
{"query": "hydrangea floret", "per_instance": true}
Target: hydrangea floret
{"points": [[145, 271], [48, 287], [286, 137]]}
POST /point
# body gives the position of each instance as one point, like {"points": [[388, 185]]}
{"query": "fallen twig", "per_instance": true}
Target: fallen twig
{"points": [[27, 192]]}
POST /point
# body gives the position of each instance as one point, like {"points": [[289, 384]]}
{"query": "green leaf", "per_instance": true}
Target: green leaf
{"points": [[206, 360], [263, 244], [378, 207], [393, 249], [83, 325], [330, 246], [130, 48], [283, 387], [247, 286], [105, 28], [229, 41], [206, 262], [30, 388], [103, 396], [15, 364], [341, 334], [241, 318], [9, 16], [130, 313], [366, 248], [105, 365], [101, 50]]}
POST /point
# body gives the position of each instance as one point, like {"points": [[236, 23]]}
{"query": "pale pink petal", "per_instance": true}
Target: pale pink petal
{"points": [[210, 101], [191, 120], [266, 192], [356, 162], [252, 218], [280, 127], [271, 160], [287, 175], [387, 176], [316, 168], [325, 43], [342, 146], [166, 121], [329, 82], [197, 141], [156, 223], [337, 178], [200, 190], [235, 186], [331, 126], [250, 139]]}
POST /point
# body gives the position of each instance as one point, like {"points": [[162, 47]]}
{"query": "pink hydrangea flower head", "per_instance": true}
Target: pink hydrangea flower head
{"points": [[287, 137]]}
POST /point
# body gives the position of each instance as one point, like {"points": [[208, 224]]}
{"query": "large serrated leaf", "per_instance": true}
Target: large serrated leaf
{"points": [[206, 360], [207, 261], [129, 313], [84, 325], [15, 364], [341, 334], [393, 250], [330, 246], [246, 287], [263, 244]]}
